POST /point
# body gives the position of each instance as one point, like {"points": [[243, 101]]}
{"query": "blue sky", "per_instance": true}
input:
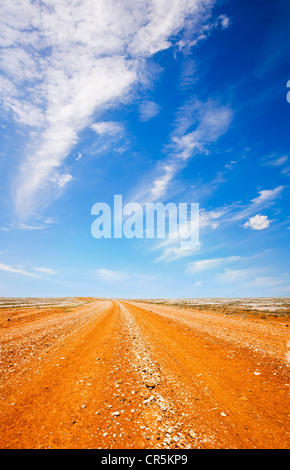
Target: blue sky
{"points": [[159, 101]]}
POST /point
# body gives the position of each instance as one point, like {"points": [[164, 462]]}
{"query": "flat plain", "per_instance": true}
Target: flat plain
{"points": [[158, 373]]}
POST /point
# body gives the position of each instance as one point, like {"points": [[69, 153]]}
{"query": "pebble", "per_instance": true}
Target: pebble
{"points": [[150, 384]]}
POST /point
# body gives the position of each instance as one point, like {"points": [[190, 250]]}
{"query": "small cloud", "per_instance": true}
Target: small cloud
{"points": [[267, 195], [111, 276], [221, 21], [267, 281], [47, 271], [235, 275], [224, 21], [230, 165], [107, 128], [22, 226], [207, 264], [61, 179], [161, 182], [197, 284], [110, 135], [275, 161], [280, 161], [79, 156], [286, 171], [39, 223], [209, 218], [173, 250], [258, 222], [148, 110]]}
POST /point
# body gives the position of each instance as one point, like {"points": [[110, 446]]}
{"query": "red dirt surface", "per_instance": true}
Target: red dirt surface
{"points": [[115, 374]]}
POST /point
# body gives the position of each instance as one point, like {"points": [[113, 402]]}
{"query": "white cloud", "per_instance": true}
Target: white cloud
{"points": [[253, 278], [267, 281], [109, 275], [161, 183], [209, 264], [17, 270], [279, 161], [61, 179], [37, 272], [225, 21], [173, 250], [211, 218], [107, 127], [64, 61], [47, 271], [37, 223], [268, 195], [258, 222], [148, 110], [222, 22], [197, 284], [110, 135], [209, 120], [236, 211], [237, 275], [230, 165]]}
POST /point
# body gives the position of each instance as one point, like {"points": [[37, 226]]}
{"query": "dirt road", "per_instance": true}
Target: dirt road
{"points": [[110, 374]]}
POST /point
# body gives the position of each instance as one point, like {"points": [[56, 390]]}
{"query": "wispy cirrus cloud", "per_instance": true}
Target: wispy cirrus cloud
{"points": [[63, 62], [275, 161], [221, 22], [209, 264], [172, 250], [228, 215], [37, 222], [37, 272], [115, 276], [108, 128], [198, 125], [46, 271], [110, 135], [254, 279], [238, 275], [237, 211], [268, 195], [16, 270], [110, 275]]}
